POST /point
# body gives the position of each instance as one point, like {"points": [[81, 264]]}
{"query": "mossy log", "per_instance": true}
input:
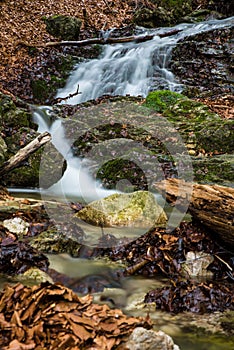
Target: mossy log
{"points": [[212, 205]]}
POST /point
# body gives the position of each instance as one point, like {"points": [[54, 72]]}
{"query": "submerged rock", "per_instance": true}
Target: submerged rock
{"points": [[138, 209]]}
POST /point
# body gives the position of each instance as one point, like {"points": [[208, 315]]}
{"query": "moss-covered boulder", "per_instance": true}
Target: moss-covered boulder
{"points": [[18, 129], [12, 117], [164, 13], [203, 131], [208, 138], [63, 27], [138, 209]]}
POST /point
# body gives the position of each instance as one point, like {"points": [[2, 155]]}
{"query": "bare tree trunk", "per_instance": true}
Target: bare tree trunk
{"points": [[212, 205], [24, 153]]}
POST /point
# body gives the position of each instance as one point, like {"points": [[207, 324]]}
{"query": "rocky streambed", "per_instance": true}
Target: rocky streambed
{"points": [[180, 275]]}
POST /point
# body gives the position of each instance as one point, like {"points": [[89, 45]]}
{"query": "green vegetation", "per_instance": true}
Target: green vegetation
{"points": [[162, 99]]}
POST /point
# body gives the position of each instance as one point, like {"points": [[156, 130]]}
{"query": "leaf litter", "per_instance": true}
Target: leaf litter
{"points": [[51, 316]]}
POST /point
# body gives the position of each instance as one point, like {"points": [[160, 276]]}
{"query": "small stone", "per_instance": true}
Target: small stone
{"points": [[142, 338], [16, 225]]}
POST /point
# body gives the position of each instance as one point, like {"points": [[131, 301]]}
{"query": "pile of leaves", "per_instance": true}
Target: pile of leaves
{"points": [[16, 257], [183, 295], [161, 251], [50, 317], [224, 105]]}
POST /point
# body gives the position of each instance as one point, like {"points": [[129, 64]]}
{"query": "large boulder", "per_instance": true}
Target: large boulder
{"points": [[138, 209], [209, 139], [63, 27]]}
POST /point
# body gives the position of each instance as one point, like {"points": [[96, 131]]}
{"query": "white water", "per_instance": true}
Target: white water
{"points": [[132, 68], [76, 181]]}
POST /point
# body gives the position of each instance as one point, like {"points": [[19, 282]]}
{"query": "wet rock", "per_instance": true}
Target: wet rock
{"points": [[34, 275], [138, 209], [63, 27], [150, 340], [64, 239], [205, 61]]}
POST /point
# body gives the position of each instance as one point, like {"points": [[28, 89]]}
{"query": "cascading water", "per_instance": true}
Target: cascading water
{"points": [[132, 68], [129, 68]]}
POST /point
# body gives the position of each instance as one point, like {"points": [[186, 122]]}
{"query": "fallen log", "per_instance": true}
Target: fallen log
{"points": [[212, 205], [24, 153], [102, 41]]}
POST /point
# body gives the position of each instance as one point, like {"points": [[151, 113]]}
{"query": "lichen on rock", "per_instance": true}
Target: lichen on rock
{"points": [[138, 209]]}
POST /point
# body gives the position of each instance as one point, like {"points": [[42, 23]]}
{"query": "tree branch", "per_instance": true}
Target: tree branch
{"points": [[102, 41], [24, 153]]}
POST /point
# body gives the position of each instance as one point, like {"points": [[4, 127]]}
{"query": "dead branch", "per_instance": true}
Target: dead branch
{"points": [[60, 99], [24, 153], [102, 41]]}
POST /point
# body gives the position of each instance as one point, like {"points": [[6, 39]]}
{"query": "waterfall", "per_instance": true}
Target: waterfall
{"points": [[132, 68], [129, 68], [76, 181]]}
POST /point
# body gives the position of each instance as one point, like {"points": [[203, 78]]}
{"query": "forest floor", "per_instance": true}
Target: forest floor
{"points": [[22, 22]]}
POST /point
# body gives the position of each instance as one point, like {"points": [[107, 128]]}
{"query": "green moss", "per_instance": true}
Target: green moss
{"points": [[138, 209], [162, 99], [12, 116], [45, 90], [63, 27], [115, 170], [52, 241]]}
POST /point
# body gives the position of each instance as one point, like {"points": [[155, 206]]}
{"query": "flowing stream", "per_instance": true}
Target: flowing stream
{"points": [[128, 68], [122, 69], [132, 68]]}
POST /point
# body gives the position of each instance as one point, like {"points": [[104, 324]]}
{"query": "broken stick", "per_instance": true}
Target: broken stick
{"points": [[24, 153]]}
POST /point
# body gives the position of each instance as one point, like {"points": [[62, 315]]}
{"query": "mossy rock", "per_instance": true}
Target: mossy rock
{"points": [[63, 27], [161, 100], [217, 169], [205, 131], [12, 116], [121, 172], [165, 13], [138, 209], [56, 241], [197, 125]]}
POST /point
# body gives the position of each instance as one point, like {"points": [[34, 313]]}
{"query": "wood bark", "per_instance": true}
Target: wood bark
{"points": [[24, 153], [212, 205], [102, 41]]}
